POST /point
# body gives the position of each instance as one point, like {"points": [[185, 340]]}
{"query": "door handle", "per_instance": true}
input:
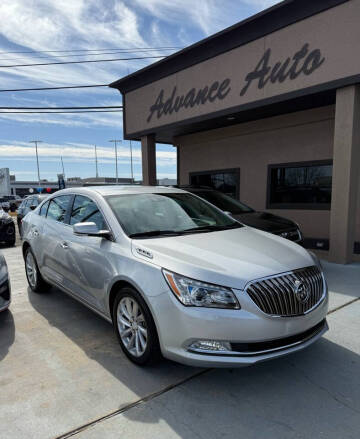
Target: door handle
{"points": [[64, 245]]}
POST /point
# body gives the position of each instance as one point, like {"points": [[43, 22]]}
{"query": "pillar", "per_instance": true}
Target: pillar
{"points": [[148, 152], [345, 179]]}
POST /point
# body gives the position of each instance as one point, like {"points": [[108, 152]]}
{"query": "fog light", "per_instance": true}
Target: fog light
{"points": [[210, 345]]}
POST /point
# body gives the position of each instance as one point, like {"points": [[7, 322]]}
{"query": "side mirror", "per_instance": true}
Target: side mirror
{"points": [[33, 207], [90, 229]]}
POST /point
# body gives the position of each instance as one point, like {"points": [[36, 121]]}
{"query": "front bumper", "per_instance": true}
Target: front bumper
{"points": [[179, 327]]}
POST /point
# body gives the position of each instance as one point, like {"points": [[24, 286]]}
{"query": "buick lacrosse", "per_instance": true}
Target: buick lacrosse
{"points": [[176, 276]]}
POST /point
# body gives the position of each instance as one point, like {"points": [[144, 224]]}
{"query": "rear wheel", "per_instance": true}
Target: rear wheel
{"points": [[135, 328], [33, 275], [11, 236]]}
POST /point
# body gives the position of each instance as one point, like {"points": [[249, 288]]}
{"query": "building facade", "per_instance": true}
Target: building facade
{"points": [[267, 110]]}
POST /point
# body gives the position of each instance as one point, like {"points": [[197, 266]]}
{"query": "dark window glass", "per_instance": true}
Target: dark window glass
{"points": [[223, 202], [301, 185], [57, 208], [223, 181], [85, 210], [43, 209]]}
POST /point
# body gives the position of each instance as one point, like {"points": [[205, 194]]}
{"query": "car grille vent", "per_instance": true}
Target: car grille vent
{"points": [[291, 294]]}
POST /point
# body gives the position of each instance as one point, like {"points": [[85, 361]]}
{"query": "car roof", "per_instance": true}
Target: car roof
{"points": [[120, 190]]}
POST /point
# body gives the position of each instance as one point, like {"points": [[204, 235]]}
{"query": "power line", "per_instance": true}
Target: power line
{"points": [[64, 112], [81, 62], [61, 108], [88, 54], [53, 88], [93, 50]]}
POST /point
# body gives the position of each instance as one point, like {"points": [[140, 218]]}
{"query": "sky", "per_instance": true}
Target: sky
{"points": [[72, 26]]}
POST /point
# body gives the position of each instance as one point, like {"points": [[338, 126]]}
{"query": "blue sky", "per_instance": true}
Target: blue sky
{"points": [[43, 25]]}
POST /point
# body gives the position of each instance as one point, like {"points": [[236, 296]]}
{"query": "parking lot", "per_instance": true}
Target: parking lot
{"points": [[62, 374]]}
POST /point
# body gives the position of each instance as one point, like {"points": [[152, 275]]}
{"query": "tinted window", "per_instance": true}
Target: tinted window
{"points": [[223, 181], [43, 209], [306, 185], [85, 210], [57, 208], [223, 202]]}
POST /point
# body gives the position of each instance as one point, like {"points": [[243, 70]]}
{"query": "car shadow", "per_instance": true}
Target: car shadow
{"points": [[7, 332], [96, 337], [312, 393]]}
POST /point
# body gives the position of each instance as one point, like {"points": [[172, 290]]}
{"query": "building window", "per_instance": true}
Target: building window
{"points": [[304, 185], [225, 180]]}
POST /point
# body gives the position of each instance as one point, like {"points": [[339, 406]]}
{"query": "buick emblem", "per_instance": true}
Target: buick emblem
{"points": [[301, 292]]}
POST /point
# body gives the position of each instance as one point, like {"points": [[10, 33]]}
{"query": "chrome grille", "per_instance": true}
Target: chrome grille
{"points": [[276, 295]]}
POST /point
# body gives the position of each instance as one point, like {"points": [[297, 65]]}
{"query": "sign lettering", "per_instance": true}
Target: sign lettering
{"points": [[302, 62]]}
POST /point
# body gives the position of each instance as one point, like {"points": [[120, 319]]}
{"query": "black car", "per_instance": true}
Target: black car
{"points": [[260, 220], [7, 228], [29, 203]]}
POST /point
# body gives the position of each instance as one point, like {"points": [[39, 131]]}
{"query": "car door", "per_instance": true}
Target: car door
{"points": [[54, 229], [88, 268]]}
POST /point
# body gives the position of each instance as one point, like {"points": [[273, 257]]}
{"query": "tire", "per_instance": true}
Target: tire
{"points": [[12, 240], [141, 343], [33, 275]]}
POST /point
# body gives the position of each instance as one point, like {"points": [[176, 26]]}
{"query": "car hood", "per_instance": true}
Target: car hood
{"points": [[230, 257], [266, 221]]}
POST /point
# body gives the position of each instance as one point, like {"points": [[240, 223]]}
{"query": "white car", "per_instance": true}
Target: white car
{"points": [[5, 289], [176, 276]]}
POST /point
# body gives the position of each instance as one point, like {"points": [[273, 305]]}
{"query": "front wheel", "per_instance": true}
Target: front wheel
{"points": [[33, 275], [135, 328]]}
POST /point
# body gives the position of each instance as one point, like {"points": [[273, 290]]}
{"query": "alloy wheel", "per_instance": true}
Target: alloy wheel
{"points": [[132, 326], [31, 269]]}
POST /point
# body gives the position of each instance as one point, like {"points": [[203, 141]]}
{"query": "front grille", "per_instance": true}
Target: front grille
{"points": [[289, 294]]}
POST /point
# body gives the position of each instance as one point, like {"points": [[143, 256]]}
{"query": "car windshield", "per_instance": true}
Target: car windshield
{"points": [[224, 202], [166, 214]]}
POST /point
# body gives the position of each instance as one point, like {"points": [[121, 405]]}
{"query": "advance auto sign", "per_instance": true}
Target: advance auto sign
{"points": [[303, 62]]}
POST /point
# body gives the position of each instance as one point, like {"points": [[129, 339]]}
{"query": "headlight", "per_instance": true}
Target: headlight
{"points": [[191, 292]]}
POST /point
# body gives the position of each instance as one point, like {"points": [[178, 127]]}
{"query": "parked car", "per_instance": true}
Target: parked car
{"points": [[7, 228], [176, 276], [29, 203], [266, 221], [4, 204], [5, 289]]}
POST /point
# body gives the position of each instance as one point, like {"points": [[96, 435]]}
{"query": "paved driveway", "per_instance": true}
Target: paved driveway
{"points": [[62, 374]]}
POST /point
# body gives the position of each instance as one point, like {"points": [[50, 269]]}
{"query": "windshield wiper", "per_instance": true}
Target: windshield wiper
{"points": [[151, 233], [210, 228]]}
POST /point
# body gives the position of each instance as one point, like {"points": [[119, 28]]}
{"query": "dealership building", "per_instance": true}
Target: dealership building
{"points": [[268, 111]]}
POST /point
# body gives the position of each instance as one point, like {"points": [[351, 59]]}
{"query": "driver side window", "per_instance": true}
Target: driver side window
{"points": [[85, 210]]}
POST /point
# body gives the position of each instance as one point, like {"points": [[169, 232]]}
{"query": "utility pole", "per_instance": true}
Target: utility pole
{"points": [[131, 159], [37, 158], [96, 163], [62, 164], [116, 161]]}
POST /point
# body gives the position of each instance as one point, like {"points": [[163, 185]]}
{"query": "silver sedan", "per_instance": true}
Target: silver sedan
{"points": [[176, 276]]}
